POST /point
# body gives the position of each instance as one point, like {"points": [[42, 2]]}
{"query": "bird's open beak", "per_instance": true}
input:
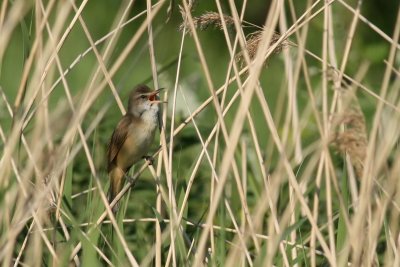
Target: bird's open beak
{"points": [[153, 97]]}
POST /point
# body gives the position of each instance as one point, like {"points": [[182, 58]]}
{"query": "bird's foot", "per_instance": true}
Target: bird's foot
{"points": [[150, 159]]}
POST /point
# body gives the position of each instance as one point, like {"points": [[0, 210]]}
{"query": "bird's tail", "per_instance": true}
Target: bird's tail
{"points": [[117, 177]]}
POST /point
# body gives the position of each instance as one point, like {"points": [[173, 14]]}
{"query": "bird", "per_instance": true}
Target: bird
{"points": [[133, 136]]}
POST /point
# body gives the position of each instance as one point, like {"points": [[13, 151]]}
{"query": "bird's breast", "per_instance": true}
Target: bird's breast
{"points": [[139, 139], [143, 133]]}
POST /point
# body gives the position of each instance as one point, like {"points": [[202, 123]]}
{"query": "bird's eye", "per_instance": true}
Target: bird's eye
{"points": [[143, 97]]}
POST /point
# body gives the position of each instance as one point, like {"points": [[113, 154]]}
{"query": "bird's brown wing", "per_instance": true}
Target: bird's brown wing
{"points": [[117, 139]]}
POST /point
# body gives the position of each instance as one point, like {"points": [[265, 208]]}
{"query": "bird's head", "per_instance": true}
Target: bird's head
{"points": [[143, 99]]}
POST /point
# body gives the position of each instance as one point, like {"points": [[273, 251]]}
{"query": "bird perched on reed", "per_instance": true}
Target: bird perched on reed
{"points": [[133, 136]]}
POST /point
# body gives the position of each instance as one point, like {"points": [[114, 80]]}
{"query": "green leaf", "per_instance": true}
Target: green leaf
{"points": [[292, 228], [158, 216], [342, 229]]}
